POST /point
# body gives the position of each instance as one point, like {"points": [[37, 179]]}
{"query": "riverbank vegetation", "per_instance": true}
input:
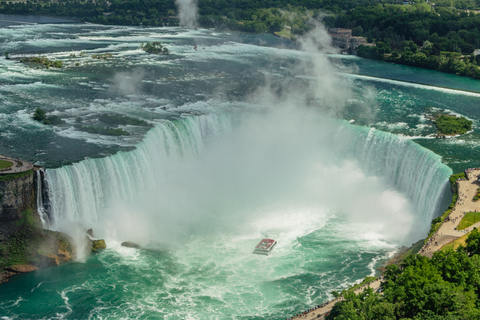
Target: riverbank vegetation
{"points": [[444, 287], [452, 125]]}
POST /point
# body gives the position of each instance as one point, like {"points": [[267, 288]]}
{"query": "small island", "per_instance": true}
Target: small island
{"points": [[448, 125], [40, 115], [154, 48], [47, 63]]}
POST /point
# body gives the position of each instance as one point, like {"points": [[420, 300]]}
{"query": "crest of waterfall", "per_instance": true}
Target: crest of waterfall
{"points": [[81, 191]]}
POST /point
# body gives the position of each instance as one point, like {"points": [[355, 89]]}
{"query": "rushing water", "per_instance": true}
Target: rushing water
{"points": [[228, 159]]}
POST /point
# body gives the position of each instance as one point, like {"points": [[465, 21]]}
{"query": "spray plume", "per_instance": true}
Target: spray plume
{"points": [[284, 161], [187, 12]]}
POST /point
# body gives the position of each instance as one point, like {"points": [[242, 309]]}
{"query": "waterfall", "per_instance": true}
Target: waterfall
{"points": [[41, 208], [412, 169], [81, 191]]}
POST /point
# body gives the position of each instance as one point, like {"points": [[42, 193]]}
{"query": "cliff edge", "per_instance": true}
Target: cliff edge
{"points": [[24, 244]]}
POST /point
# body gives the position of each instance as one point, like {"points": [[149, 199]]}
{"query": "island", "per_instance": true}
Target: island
{"points": [[42, 61], [449, 125], [154, 48]]}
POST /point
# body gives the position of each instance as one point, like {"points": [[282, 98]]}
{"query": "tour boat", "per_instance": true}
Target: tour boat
{"points": [[265, 246]]}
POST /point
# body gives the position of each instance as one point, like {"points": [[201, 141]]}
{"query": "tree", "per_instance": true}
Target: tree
{"points": [[39, 115]]}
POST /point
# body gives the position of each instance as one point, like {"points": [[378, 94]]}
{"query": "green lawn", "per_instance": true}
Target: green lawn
{"points": [[5, 164], [469, 219]]}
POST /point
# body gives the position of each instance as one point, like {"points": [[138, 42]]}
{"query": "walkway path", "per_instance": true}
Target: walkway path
{"points": [[320, 313], [17, 166], [467, 189]]}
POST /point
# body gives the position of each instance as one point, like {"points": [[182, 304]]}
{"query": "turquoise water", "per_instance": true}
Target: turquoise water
{"points": [[242, 146]]}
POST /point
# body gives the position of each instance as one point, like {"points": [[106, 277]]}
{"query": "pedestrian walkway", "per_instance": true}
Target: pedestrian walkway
{"points": [[467, 189], [321, 311], [16, 167]]}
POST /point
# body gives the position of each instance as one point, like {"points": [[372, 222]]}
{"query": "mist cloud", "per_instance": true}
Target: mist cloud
{"points": [[187, 12]]}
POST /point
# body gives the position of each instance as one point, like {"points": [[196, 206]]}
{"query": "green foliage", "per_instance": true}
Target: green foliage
{"points": [[39, 115], [101, 130], [154, 48], [117, 119], [473, 243], [47, 63], [28, 220], [453, 125], [13, 176], [358, 285], [445, 287]]}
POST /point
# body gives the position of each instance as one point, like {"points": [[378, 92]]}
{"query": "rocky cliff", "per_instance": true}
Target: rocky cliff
{"points": [[24, 245], [17, 194]]}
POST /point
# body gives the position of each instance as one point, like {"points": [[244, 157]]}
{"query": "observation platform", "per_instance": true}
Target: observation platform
{"points": [[16, 165]]}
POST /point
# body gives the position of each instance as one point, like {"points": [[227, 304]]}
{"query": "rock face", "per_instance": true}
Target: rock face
{"points": [[24, 245], [16, 196], [130, 244], [93, 245]]}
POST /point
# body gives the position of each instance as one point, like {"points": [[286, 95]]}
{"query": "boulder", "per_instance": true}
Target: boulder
{"points": [[21, 268], [97, 244], [130, 244]]}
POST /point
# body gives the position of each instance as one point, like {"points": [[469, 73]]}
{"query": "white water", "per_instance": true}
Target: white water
{"points": [[132, 191]]}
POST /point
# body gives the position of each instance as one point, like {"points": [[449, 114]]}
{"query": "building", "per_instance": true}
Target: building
{"points": [[343, 39]]}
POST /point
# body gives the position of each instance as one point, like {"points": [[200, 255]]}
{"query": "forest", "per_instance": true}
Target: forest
{"points": [[445, 287]]}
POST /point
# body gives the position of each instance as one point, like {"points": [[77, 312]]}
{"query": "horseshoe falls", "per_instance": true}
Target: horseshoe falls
{"points": [[247, 136], [198, 233]]}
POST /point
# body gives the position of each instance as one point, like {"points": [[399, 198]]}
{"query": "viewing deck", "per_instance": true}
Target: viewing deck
{"points": [[16, 166]]}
